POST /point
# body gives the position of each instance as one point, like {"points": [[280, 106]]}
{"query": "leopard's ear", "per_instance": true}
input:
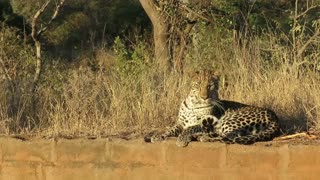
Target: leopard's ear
{"points": [[210, 73], [194, 73], [203, 74], [207, 72], [215, 74]]}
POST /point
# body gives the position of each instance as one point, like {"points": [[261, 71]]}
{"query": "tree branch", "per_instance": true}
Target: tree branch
{"points": [[35, 32], [35, 19], [307, 10], [195, 13], [310, 40], [53, 17]]}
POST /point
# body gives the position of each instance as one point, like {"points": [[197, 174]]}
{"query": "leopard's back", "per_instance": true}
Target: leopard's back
{"points": [[246, 124]]}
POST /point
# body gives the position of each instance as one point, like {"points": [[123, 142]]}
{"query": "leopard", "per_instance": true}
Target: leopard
{"points": [[204, 117], [196, 108]]}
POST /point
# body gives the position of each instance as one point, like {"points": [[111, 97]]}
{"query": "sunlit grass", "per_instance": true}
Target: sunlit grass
{"points": [[103, 100]]}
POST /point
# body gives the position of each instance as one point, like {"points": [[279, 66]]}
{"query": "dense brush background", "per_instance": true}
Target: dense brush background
{"points": [[99, 76]]}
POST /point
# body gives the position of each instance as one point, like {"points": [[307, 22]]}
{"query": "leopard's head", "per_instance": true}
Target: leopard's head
{"points": [[205, 85]]}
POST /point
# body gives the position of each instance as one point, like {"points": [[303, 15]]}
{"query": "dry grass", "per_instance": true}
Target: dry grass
{"points": [[100, 104], [294, 99], [104, 101]]}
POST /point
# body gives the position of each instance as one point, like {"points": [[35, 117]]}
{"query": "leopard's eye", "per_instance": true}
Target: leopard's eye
{"points": [[195, 84]]}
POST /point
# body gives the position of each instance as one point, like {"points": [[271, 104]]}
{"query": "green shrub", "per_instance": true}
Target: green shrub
{"points": [[131, 61]]}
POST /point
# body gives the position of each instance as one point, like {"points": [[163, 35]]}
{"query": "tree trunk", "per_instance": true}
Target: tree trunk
{"points": [[37, 30], [160, 34], [179, 59]]}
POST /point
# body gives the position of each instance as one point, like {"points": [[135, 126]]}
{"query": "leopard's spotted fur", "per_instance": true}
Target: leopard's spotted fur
{"points": [[203, 116]]}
